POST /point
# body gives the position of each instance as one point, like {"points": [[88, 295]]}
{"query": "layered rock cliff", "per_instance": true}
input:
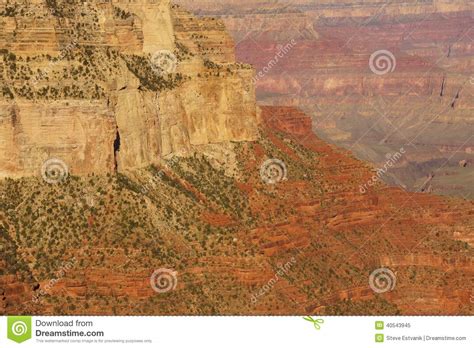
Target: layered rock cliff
{"points": [[115, 85], [423, 102]]}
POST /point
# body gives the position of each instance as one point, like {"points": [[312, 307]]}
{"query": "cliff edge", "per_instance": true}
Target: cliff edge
{"points": [[110, 86]]}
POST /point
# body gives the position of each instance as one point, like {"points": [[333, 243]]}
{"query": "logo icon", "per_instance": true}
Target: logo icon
{"points": [[382, 62], [54, 171], [382, 280], [163, 280], [19, 329], [316, 322], [273, 171], [164, 62]]}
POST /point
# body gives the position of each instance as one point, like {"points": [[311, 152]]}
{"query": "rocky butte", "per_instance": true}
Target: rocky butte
{"points": [[185, 198]]}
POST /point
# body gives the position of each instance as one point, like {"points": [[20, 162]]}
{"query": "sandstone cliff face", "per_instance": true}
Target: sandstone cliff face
{"points": [[210, 113], [156, 23], [77, 77], [79, 132]]}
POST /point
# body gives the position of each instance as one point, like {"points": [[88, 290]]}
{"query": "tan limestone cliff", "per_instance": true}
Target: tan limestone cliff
{"points": [[77, 80]]}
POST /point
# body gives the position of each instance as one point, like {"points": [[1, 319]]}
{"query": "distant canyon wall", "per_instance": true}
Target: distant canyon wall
{"points": [[423, 102]]}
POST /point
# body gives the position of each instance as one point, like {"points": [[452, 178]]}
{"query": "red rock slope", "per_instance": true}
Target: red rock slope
{"points": [[307, 244]]}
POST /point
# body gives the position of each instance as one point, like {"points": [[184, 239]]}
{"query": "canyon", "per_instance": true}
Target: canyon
{"points": [[168, 173], [316, 56], [227, 237]]}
